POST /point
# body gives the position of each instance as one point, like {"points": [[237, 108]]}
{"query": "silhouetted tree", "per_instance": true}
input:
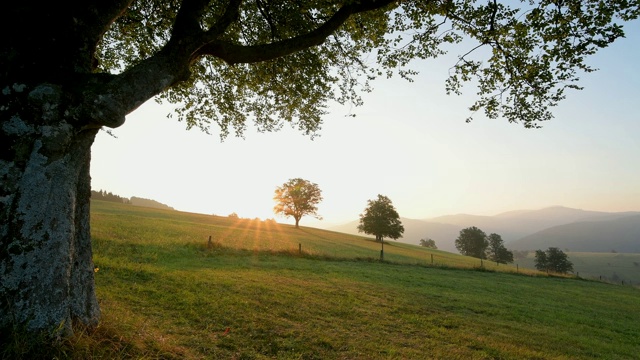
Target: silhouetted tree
{"points": [[428, 243], [472, 242], [553, 259], [297, 197], [496, 250], [381, 219]]}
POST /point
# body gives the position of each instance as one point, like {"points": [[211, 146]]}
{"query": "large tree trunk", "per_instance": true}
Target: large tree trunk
{"points": [[46, 266]]}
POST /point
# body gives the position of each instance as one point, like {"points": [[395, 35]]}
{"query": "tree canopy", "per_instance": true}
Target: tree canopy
{"points": [[70, 70], [297, 197], [381, 219], [496, 251], [273, 62], [472, 242], [553, 259], [428, 243]]}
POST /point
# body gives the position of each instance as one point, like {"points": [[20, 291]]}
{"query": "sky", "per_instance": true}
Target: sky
{"points": [[409, 141]]}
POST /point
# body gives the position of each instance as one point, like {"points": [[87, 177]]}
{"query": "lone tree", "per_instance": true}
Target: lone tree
{"points": [[381, 219], [297, 198], [69, 70], [496, 251], [472, 242], [553, 259], [428, 243]]}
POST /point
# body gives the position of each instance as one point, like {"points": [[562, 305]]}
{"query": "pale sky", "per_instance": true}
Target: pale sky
{"points": [[409, 142]]}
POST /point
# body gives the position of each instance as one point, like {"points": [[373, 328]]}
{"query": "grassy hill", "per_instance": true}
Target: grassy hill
{"points": [[251, 294]]}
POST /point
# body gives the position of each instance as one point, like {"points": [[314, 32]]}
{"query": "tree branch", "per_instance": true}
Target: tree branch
{"points": [[234, 53], [187, 21]]}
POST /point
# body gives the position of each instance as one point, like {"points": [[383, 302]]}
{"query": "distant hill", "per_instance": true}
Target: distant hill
{"points": [[520, 226], [619, 235], [136, 201]]}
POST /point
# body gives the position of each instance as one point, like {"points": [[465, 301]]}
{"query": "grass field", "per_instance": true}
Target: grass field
{"points": [[166, 294], [618, 268]]}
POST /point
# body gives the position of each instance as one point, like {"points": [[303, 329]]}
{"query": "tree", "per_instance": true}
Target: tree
{"points": [[79, 68], [381, 219], [496, 251], [472, 242], [428, 243], [553, 259], [297, 198]]}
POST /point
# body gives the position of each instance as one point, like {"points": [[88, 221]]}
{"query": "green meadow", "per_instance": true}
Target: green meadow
{"points": [[618, 268], [262, 290]]}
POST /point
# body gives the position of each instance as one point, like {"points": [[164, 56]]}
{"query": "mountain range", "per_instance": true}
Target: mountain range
{"points": [[563, 227]]}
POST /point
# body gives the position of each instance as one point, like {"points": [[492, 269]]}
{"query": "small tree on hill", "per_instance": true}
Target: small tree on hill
{"points": [[496, 250], [297, 197], [428, 243], [381, 219], [554, 260], [472, 242]]}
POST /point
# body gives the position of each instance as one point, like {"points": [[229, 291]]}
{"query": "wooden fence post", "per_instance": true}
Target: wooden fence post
{"points": [[300, 248]]}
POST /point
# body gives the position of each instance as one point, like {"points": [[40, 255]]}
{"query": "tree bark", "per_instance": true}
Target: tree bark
{"points": [[46, 266]]}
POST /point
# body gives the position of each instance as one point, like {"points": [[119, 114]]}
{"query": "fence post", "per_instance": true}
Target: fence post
{"points": [[209, 244], [431, 259], [517, 268], [300, 248]]}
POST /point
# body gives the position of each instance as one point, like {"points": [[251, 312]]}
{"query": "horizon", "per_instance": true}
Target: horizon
{"points": [[323, 225], [409, 141]]}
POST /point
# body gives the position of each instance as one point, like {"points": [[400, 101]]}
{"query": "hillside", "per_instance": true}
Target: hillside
{"points": [[165, 292], [414, 230], [617, 235], [138, 201]]}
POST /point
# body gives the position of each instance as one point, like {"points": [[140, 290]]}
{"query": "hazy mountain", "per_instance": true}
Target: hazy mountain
{"points": [[514, 225], [620, 235], [527, 229]]}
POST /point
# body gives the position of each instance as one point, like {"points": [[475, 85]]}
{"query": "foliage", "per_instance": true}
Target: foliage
{"points": [[297, 197], [496, 251], [553, 259], [108, 196], [472, 242], [291, 58], [381, 219], [428, 243]]}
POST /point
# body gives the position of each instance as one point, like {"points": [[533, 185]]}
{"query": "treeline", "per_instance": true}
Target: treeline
{"points": [[136, 201], [108, 196]]}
